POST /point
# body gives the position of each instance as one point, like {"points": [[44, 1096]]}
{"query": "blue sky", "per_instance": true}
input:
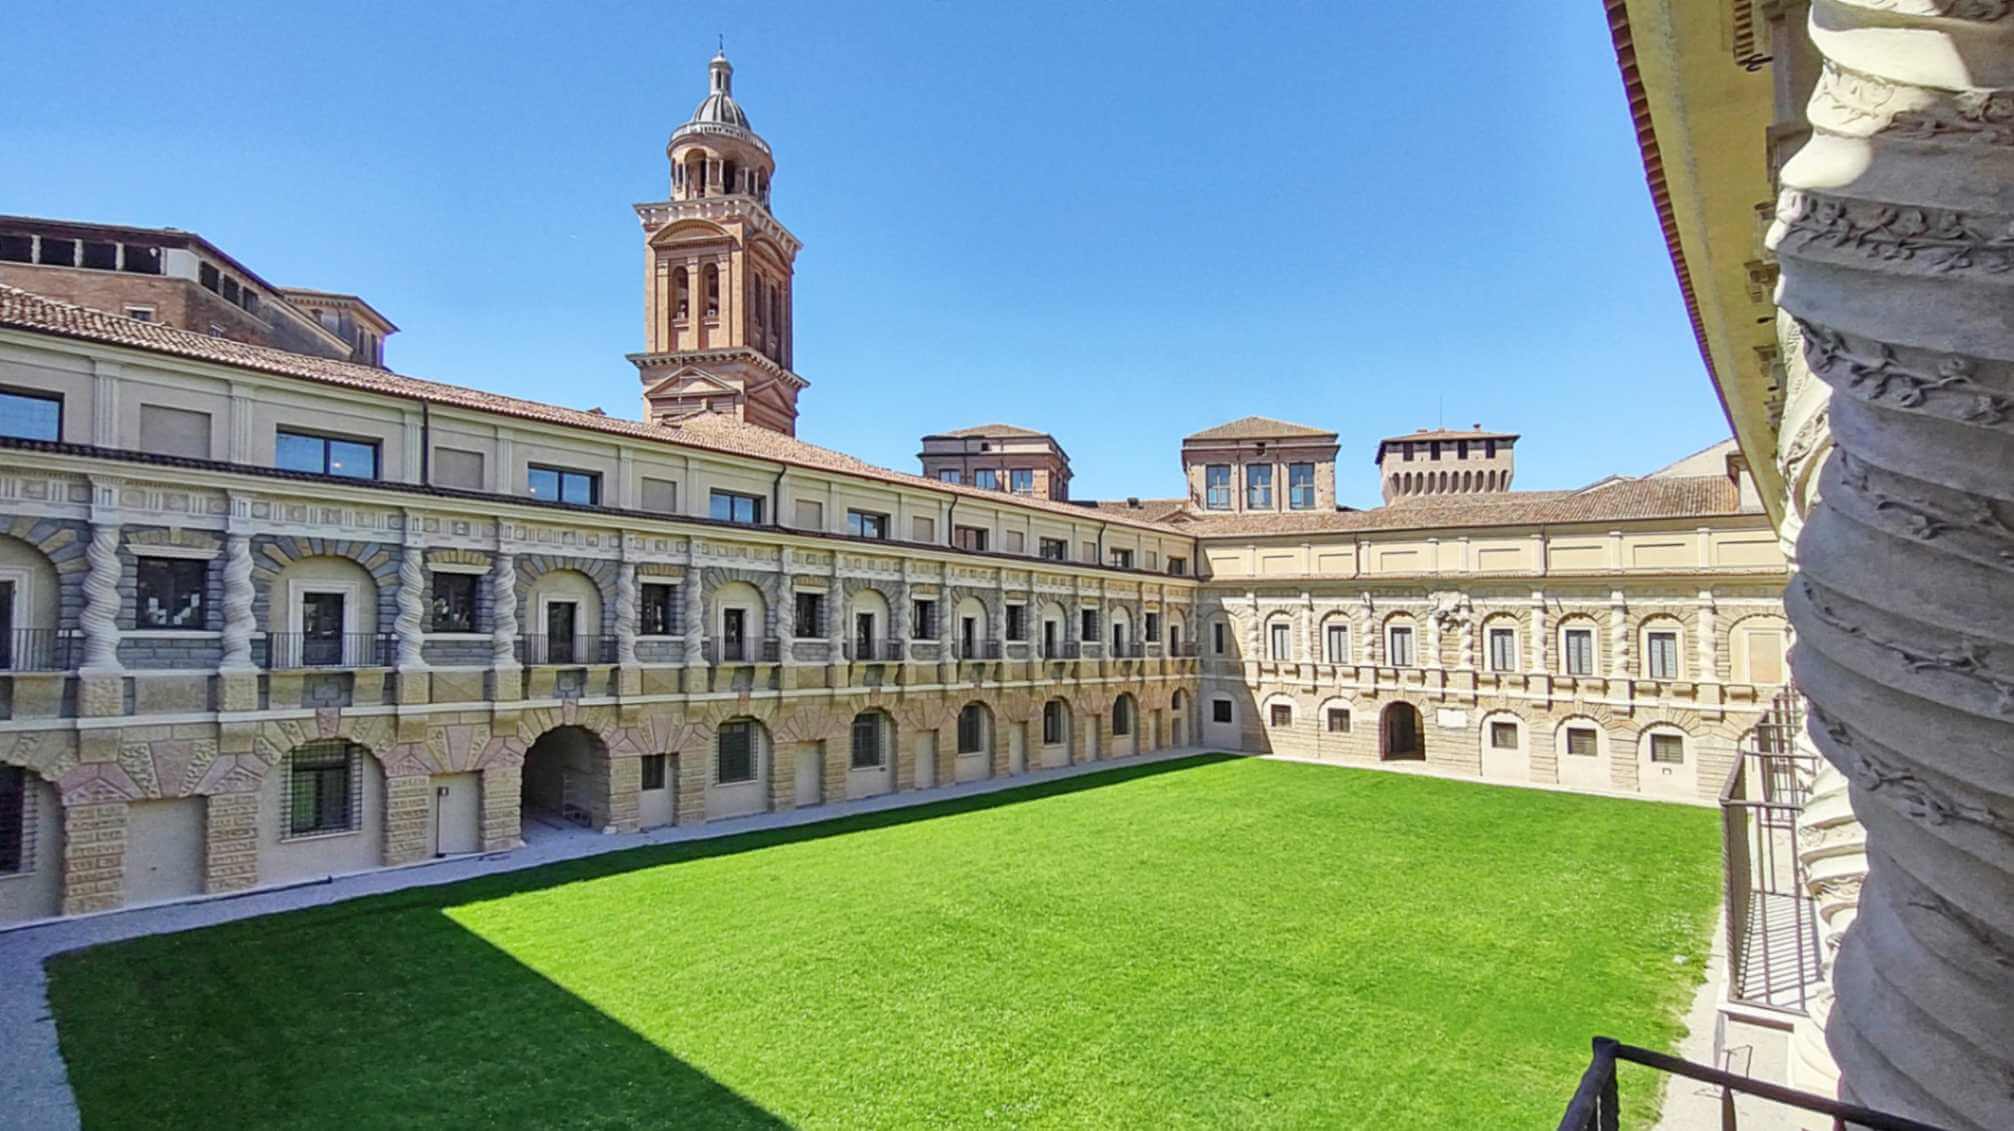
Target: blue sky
{"points": [[1120, 224]]}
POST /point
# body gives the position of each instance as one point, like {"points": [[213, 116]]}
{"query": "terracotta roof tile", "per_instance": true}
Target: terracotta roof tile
{"points": [[1696, 496], [1258, 428], [23, 310]]}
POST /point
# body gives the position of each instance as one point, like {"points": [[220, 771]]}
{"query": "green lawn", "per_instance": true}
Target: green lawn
{"points": [[1212, 942]]}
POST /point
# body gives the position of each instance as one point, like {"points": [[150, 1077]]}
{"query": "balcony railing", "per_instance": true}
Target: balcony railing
{"points": [[566, 649], [873, 651], [1772, 921], [40, 650], [286, 651], [1128, 650], [976, 650], [1595, 1104], [1183, 648], [720, 651]]}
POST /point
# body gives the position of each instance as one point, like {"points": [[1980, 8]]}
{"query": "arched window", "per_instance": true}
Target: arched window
{"points": [[711, 274], [972, 729], [1055, 722], [869, 740], [728, 173], [1122, 715], [681, 290]]}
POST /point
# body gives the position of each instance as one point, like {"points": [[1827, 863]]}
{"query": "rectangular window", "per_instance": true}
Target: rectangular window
{"points": [[559, 484], [1178, 567], [1089, 623], [867, 741], [58, 253], [140, 313], [322, 789], [1052, 724], [986, 478], [170, 593], [454, 605], [17, 815], [923, 530], [734, 762], [1338, 638], [1017, 622], [1661, 655], [729, 506], [1153, 627], [867, 524], [1667, 749], [660, 496], [1406, 450], [1053, 549], [1503, 736], [1400, 651], [17, 248], [1580, 742], [1301, 486], [1579, 651], [1217, 487], [1021, 481], [1503, 649], [923, 620], [653, 771], [1281, 715], [325, 455], [657, 611], [1339, 720], [208, 276], [174, 432], [1217, 638], [1220, 710], [1435, 449], [1281, 637], [31, 416], [101, 256], [810, 619], [453, 467], [971, 730], [971, 538], [949, 475], [1122, 559], [1259, 487]]}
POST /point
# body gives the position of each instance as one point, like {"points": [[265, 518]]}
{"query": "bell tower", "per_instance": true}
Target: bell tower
{"points": [[717, 272]]}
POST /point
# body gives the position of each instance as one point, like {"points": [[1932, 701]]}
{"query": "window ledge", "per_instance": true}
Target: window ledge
{"points": [[170, 634], [296, 838]]}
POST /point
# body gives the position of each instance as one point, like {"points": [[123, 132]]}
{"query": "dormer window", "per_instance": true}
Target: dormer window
{"points": [[1301, 486]]}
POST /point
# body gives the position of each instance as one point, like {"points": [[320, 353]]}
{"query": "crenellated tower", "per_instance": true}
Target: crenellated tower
{"points": [[717, 275]]}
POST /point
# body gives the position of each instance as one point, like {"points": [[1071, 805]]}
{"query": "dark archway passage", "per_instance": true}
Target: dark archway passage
{"points": [[565, 780], [1402, 734]]}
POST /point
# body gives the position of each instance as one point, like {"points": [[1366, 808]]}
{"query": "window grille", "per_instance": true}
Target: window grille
{"points": [[653, 771], [325, 789], [971, 727], [1339, 720], [867, 741], [734, 760], [1580, 741], [17, 822]]}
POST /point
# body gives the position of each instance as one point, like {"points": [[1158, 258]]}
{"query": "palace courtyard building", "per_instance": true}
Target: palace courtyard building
{"points": [[274, 611]]}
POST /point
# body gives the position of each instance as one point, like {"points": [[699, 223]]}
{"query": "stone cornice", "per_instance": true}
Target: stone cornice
{"points": [[658, 213], [700, 358]]}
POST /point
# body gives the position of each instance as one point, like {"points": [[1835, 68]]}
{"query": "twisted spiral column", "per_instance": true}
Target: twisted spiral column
{"points": [[238, 622], [1895, 233], [101, 600], [412, 607], [503, 610], [625, 614]]}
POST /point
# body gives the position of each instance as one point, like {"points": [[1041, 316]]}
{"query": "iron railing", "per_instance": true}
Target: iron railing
{"points": [[1595, 1104], [1772, 921], [40, 649], [720, 651], [976, 650], [873, 650], [286, 651], [542, 649], [1128, 650]]}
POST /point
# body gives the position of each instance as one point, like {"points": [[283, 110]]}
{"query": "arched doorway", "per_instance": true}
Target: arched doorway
{"points": [[1125, 727], [1402, 734], [565, 782], [1178, 713]]}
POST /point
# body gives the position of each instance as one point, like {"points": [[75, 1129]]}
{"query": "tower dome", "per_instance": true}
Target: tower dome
{"points": [[718, 114]]}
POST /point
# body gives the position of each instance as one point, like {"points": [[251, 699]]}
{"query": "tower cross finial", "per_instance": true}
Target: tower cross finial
{"points": [[723, 42]]}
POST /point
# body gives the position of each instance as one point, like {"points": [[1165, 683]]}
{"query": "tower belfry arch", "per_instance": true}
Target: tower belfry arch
{"points": [[718, 270]]}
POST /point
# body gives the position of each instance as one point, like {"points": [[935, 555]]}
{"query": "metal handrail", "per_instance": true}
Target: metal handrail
{"points": [[1762, 869], [291, 651], [1595, 1103], [40, 649]]}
